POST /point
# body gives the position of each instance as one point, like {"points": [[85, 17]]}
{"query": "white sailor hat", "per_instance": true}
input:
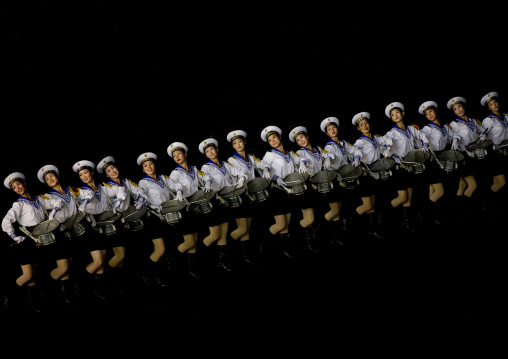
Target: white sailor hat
{"points": [[81, 165], [426, 105], [268, 131], [360, 116], [455, 100], [104, 163], [13, 177], [391, 106], [177, 146], [207, 143], [329, 121], [296, 131], [488, 97], [44, 170], [233, 135], [147, 156]]}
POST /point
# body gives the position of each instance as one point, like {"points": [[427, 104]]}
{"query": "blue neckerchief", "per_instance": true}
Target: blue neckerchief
{"points": [[247, 162], [34, 202], [440, 128], [98, 193], [66, 196], [287, 157], [122, 181], [373, 142], [315, 154], [502, 122], [191, 174], [158, 182], [470, 123], [221, 168], [339, 145], [405, 132]]}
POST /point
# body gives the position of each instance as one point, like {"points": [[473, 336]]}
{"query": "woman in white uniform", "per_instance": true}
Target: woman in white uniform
{"points": [[278, 164], [190, 178], [315, 158], [341, 153], [495, 125], [50, 175], [157, 189], [468, 131], [371, 147], [26, 213], [222, 174], [99, 241], [440, 136], [248, 163], [405, 138], [132, 234]]}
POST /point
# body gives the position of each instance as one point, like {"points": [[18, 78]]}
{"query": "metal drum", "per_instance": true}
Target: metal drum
{"points": [[451, 160], [171, 210], [503, 148], [322, 181], [350, 175], [42, 232], [414, 161], [133, 218], [200, 201], [382, 168], [478, 150], [295, 183], [232, 195], [76, 225], [257, 189], [106, 222]]}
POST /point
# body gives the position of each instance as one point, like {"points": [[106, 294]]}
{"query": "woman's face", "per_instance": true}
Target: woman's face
{"points": [[211, 152], [18, 187], [396, 115], [239, 145], [302, 140], [363, 126], [274, 140], [431, 114], [86, 175], [112, 172], [179, 156], [51, 179], [459, 109], [149, 167], [493, 105], [332, 131]]}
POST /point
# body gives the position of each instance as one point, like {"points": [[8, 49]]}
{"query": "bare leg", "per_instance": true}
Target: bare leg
{"points": [[367, 206], [499, 182], [213, 236], [242, 228], [97, 265], [279, 225], [437, 193], [334, 213], [27, 277], [62, 269], [118, 257], [462, 186], [223, 234], [471, 186], [158, 249], [400, 199], [189, 243]]}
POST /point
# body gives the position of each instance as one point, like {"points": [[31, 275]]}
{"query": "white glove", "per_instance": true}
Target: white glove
{"points": [[280, 181], [425, 147], [387, 153], [141, 200], [455, 144], [266, 174], [397, 159], [208, 184], [302, 168], [157, 207], [326, 164], [92, 219], [117, 204], [52, 214], [482, 137], [179, 196], [83, 205], [495, 147], [240, 182], [356, 161], [19, 239]]}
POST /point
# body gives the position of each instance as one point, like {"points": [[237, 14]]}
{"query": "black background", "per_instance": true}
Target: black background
{"points": [[101, 78]]}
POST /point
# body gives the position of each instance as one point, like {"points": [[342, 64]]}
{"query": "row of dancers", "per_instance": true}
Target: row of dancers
{"points": [[68, 222]]}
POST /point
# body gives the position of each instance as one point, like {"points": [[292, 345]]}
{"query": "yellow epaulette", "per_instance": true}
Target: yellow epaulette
{"points": [[199, 172], [447, 124], [297, 155], [377, 135], [165, 176], [255, 158], [75, 191], [132, 183], [415, 126], [478, 122], [44, 197], [323, 151], [348, 143], [229, 163], [107, 185]]}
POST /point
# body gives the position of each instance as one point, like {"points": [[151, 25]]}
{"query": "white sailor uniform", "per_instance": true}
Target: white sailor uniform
{"points": [[497, 131], [439, 137]]}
